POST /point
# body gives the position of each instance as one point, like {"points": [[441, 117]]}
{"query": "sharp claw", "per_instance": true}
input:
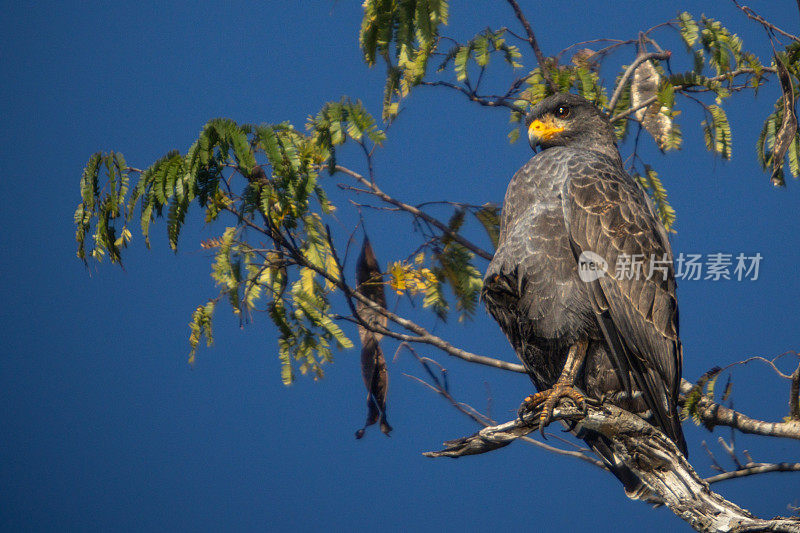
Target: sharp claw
{"points": [[549, 399], [530, 403]]}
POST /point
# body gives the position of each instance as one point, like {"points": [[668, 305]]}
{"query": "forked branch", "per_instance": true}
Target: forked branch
{"points": [[651, 455], [713, 414]]}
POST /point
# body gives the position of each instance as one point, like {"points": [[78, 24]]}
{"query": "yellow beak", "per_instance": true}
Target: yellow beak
{"points": [[543, 130]]}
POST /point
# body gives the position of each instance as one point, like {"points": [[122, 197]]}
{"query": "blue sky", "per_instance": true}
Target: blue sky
{"points": [[105, 425]]}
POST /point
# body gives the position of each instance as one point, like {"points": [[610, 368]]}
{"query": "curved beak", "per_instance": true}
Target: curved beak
{"points": [[542, 130]]}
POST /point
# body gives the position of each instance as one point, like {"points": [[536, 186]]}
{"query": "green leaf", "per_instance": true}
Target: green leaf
{"points": [[724, 48], [464, 279], [461, 63], [404, 33], [489, 217], [690, 31], [480, 50], [201, 326], [794, 157], [722, 131], [658, 193]]}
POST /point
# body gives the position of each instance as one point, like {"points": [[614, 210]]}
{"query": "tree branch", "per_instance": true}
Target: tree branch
{"points": [[534, 44], [499, 101], [421, 334], [751, 469], [721, 77], [713, 414], [376, 191], [764, 22], [641, 58], [484, 420], [651, 455], [424, 337]]}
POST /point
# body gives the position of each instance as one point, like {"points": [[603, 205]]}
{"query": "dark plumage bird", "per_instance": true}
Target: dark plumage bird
{"points": [[608, 332]]}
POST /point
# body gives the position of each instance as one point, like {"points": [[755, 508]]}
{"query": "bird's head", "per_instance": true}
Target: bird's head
{"points": [[566, 119]]}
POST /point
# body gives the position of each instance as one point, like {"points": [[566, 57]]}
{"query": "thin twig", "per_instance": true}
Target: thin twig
{"points": [[498, 101], [752, 469], [616, 42], [534, 44], [376, 191], [714, 464], [731, 451], [764, 22], [486, 421]]}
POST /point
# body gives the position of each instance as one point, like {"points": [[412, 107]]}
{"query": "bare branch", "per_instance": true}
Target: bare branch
{"points": [[623, 114], [486, 421], [497, 101], [731, 451], [652, 457], [534, 44], [769, 362], [751, 469], [764, 22], [424, 337], [615, 43], [713, 414], [376, 191], [714, 464]]}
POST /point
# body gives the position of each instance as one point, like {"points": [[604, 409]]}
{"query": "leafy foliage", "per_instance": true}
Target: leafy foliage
{"points": [[717, 132], [404, 33], [336, 121], [201, 326], [480, 50], [105, 205], [275, 254], [489, 217], [417, 279], [658, 194], [283, 200], [724, 48], [704, 388]]}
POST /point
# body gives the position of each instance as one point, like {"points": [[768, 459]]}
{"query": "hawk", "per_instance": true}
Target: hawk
{"points": [[582, 326]]}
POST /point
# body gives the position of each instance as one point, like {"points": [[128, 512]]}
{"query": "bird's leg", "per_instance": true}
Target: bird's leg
{"points": [[563, 388]]}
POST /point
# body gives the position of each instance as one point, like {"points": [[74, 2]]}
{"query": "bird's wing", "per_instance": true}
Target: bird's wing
{"points": [[607, 213]]}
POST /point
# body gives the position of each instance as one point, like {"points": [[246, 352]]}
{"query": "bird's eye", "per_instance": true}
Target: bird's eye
{"points": [[562, 112]]}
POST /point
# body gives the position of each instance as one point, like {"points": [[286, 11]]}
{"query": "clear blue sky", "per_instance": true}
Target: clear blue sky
{"points": [[105, 426]]}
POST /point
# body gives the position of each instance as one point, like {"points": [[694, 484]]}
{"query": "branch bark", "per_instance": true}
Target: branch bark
{"points": [[651, 455], [753, 469], [713, 414]]}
